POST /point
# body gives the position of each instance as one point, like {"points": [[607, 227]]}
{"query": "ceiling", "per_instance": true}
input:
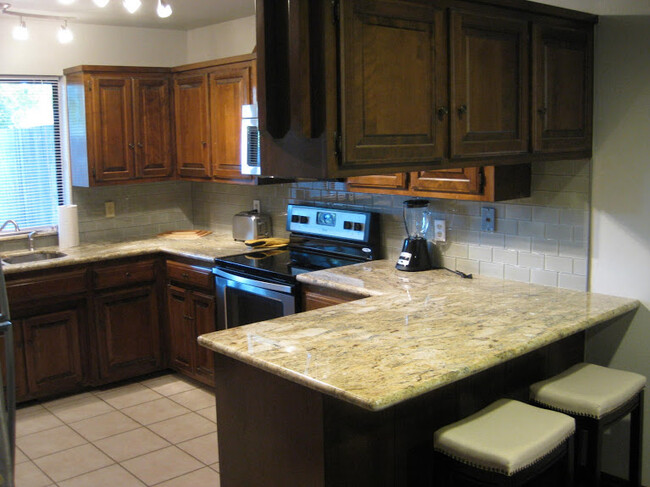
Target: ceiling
{"points": [[191, 14], [188, 14]]}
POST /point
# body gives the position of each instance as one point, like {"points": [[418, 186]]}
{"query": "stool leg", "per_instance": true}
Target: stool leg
{"points": [[591, 474], [570, 463], [636, 433]]}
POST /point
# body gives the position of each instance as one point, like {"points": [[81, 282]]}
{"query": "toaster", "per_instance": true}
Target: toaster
{"points": [[249, 225]]}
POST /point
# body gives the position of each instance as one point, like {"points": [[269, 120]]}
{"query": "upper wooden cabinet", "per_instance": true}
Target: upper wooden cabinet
{"points": [[119, 124], [361, 87], [208, 100], [562, 89], [489, 86]]}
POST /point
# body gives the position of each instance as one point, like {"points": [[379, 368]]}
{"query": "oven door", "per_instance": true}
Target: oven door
{"points": [[242, 300]]}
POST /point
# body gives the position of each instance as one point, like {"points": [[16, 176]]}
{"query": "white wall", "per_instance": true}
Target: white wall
{"points": [[221, 40], [620, 230], [93, 44]]}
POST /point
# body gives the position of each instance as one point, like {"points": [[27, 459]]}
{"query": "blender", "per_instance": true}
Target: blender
{"points": [[415, 251]]}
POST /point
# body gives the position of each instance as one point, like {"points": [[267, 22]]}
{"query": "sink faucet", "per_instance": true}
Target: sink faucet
{"points": [[30, 240], [7, 223]]}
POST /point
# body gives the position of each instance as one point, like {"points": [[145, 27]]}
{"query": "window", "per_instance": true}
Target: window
{"points": [[31, 180]]}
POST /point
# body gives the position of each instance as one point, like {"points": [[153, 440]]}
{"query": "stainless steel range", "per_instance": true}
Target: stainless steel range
{"points": [[262, 285]]}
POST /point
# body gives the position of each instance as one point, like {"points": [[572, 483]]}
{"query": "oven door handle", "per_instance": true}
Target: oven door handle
{"points": [[271, 286]]}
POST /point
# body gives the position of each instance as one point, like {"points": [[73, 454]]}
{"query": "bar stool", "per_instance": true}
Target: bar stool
{"points": [[596, 397], [508, 443]]}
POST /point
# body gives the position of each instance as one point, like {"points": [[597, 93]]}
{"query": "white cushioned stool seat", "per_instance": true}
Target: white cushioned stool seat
{"points": [[588, 390], [505, 437]]}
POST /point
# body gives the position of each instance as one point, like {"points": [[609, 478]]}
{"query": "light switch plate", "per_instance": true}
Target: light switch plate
{"points": [[487, 219], [109, 208]]}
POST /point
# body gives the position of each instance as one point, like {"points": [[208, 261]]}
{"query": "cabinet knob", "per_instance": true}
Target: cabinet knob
{"points": [[127, 274], [140, 145], [542, 111], [204, 143], [131, 146], [185, 275], [442, 111], [462, 110]]}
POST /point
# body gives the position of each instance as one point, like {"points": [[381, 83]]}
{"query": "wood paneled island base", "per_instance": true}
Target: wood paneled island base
{"points": [[277, 433]]}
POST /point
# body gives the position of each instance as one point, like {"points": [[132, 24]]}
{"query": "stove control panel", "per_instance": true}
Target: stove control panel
{"points": [[329, 222]]}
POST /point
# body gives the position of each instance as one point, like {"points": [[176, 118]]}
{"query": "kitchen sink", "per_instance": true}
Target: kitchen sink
{"points": [[33, 257]]}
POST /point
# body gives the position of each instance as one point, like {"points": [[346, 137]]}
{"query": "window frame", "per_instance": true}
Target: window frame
{"points": [[61, 150]]}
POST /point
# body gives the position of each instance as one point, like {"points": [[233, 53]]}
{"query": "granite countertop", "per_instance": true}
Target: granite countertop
{"points": [[204, 248], [415, 332]]}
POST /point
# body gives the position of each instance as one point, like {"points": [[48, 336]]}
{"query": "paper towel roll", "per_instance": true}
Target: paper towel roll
{"points": [[68, 226]]}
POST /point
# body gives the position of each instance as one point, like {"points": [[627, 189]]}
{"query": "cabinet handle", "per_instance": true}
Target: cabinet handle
{"points": [[442, 111], [127, 274], [131, 146], [204, 143], [542, 111], [188, 317], [185, 275], [462, 110], [140, 145]]}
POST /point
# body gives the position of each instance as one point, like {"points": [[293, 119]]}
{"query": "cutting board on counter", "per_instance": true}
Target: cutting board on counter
{"points": [[185, 234]]}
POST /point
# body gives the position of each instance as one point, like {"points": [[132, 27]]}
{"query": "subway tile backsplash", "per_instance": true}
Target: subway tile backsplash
{"points": [[541, 239]]}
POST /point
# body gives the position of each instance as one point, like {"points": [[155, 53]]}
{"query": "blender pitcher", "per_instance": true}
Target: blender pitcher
{"points": [[415, 251]]}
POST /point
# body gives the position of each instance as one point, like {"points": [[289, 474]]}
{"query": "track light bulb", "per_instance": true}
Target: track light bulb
{"points": [[101, 3], [164, 10], [65, 35], [131, 5], [20, 32]]}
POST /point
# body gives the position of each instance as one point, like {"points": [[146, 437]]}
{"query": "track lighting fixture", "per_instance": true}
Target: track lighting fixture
{"points": [[20, 32], [65, 35], [131, 5], [163, 10]]}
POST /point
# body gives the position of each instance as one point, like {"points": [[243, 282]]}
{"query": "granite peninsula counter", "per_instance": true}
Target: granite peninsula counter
{"points": [[376, 376]]}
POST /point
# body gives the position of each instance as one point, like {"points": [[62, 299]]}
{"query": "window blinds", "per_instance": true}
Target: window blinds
{"points": [[31, 179]]}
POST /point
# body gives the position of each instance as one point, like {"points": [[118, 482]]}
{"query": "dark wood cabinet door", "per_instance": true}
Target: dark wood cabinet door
{"points": [[52, 352], [489, 86], [379, 181], [562, 89], [181, 348], [152, 127], [20, 374], [112, 147], [393, 79], [128, 332], [192, 126], [230, 88], [202, 313], [459, 181]]}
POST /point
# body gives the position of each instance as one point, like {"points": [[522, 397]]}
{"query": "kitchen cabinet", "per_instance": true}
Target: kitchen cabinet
{"points": [[119, 124], [488, 183], [19, 357], [489, 85], [49, 312], [208, 101], [191, 311], [357, 88], [128, 330], [562, 89], [316, 297]]}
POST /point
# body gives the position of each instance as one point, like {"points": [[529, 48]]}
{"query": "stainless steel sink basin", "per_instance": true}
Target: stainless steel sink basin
{"points": [[33, 257]]}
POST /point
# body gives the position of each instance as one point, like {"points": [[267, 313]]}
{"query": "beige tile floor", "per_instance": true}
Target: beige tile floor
{"points": [[160, 431]]}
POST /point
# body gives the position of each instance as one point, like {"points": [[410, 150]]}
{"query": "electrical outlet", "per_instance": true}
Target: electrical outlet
{"points": [[439, 231], [487, 219], [256, 205], [109, 208]]}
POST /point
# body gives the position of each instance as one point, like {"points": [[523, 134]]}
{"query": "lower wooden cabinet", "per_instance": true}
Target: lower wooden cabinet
{"points": [[50, 317], [128, 332], [489, 183], [316, 297], [191, 311]]}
